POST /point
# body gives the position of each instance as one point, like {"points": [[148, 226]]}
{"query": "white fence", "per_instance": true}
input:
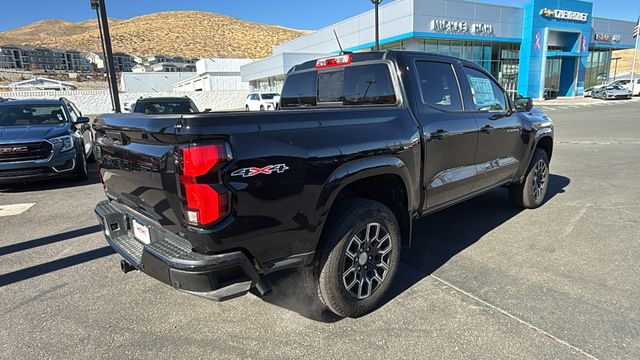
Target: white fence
{"points": [[99, 101]]}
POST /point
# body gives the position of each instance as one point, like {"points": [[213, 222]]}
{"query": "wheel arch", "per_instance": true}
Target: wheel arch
{"points": [[383, 179], [545, 143]]}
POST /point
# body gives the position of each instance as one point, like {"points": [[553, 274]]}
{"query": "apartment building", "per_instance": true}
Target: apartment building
{"points": [[122, 62], [42, 58]]}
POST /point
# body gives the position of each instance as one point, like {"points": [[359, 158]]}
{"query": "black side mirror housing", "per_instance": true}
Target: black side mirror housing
{"points": [[82, 120], [523, 104]]}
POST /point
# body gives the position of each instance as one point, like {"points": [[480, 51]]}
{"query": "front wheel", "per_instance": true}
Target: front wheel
{"points": [[531, 192], [82, 172], [357, 259]]}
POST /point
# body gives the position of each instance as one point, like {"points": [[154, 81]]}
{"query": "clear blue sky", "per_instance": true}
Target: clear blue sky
{"points": [[300, 14]]}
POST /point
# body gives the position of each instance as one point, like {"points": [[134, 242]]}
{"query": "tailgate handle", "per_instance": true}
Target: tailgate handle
{"points": [[116, 136]]}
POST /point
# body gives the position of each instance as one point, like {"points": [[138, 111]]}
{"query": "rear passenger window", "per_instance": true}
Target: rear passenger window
{"points": [[356, 85], [299, 90], [438, 85], [487, 95], [368, 84]]}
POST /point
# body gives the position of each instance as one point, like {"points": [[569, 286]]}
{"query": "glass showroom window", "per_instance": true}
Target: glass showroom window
{"points": [[499, 58], [397, 45], [597, 69]]}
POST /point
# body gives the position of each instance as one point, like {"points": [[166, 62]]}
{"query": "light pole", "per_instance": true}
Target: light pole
{"points": [[377, 5], [105, 36]]}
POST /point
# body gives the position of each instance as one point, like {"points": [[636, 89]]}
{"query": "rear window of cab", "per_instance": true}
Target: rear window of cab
{"points": [[355, 85]]}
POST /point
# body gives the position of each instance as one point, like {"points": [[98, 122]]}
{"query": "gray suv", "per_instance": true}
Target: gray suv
{"points": [[42, 139]]}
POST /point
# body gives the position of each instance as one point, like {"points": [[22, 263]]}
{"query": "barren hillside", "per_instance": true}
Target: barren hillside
{"points": [[624, 64], [43, 31], [185, 33]]}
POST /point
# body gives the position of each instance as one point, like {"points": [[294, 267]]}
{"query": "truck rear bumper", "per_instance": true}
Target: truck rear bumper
{"points": [[170, 259]]}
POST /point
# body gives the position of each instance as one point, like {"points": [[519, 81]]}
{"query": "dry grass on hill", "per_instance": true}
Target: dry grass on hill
{"points": [[185, 33]]}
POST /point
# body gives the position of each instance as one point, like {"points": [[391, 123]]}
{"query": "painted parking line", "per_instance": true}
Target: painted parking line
{"points": [[14, 209]]}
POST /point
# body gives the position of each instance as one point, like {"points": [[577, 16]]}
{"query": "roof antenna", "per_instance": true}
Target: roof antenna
{"points": [[342, 52]]}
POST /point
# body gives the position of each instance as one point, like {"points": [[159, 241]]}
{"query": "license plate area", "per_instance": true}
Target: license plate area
{"points": [[140, 232]]}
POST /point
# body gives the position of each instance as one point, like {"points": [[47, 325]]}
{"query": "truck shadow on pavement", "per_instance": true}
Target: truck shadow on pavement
{"points": [[436, 239], [54, 265]]}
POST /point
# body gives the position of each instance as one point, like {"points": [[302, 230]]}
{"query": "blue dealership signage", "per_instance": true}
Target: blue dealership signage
{"points": [[556, 30]]}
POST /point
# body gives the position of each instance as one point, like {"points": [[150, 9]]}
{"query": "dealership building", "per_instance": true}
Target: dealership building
{"points": [[547, 47]]}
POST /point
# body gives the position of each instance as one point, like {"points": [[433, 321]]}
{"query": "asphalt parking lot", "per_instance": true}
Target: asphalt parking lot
{"points": [[483, 280]]}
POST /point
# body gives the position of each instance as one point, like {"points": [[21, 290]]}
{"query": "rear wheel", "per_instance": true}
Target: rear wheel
{"points": [[261, 107], [531, 192], [246, 108], [357, 259]]}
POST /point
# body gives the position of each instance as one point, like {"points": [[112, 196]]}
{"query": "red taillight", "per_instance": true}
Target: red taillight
{"points": [[333, 61], [206, 199]]}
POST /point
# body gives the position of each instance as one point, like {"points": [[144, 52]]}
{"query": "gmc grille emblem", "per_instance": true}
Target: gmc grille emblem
{"points": [[13, 149]]}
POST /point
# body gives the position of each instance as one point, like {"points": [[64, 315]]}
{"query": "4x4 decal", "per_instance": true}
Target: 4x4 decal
{"points": [[267, 170]]}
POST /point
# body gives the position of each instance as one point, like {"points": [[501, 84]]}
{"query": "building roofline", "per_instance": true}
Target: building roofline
{"points": [[41, 78], [611, 19]]}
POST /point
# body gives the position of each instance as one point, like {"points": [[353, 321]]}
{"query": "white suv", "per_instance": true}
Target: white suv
{"points": [[262, 101], [626, 83]]}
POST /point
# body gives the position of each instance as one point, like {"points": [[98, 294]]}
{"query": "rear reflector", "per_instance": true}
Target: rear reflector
{"points": [[205, 204], [206, 200], [333, 61]]}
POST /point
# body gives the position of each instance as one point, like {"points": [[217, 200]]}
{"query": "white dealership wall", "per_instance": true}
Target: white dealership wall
{"points": [[99, 101], [215, 74]]}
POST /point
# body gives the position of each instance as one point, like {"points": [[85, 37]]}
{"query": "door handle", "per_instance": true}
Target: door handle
{"points": [[486, 129], [498, 116], [440, 134]]}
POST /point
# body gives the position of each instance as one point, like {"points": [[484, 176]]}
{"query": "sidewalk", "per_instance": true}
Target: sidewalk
{"points": [[578, 101]]}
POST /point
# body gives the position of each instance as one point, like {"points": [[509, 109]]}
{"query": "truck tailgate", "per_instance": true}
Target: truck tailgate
{"points": [[135, 154]]}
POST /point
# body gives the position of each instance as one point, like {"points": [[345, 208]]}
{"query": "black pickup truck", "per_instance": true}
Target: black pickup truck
{"points": [[364, 144]]}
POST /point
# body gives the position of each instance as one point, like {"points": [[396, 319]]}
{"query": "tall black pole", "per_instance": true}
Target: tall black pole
{"points": [[377, 3], [108, 52]]}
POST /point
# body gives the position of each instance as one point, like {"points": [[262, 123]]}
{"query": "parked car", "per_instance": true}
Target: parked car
{"points": [[330, 185], [626, 83], [550, 93], [163, 105], [612, 92], [262, 101], [41, 139]]}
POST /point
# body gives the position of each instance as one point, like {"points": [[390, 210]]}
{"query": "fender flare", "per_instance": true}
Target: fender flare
{"points": [[351, 172], [539, 135]]}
